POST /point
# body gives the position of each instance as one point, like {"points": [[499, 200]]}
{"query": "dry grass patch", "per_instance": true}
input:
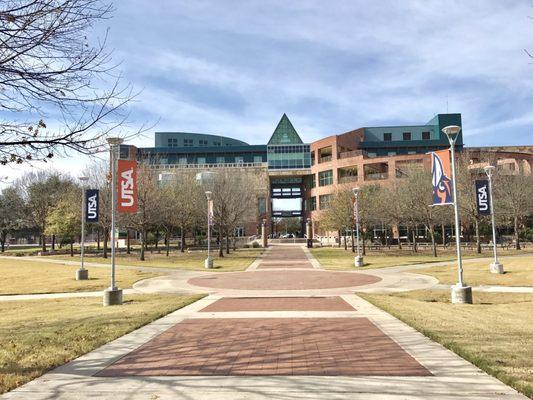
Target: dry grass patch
{"points": [[495, 333], [335, 258], [518, 272], [37, 336], [25, 277], [237, 260]]}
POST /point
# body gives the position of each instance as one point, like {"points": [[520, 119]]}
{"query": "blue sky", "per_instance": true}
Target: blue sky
{"points": [[234, 67]]}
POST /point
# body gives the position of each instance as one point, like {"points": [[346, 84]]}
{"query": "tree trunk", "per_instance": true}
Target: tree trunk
{"points": [[220, 244], [478, 239], [443, 231], [43, 242], [168, 243], [143, 244], [128, 241], [414, 241], [353, 241], [182, 240], [234, 243], [339, 233], [345, 242], [364, 246], [227, 242], [98, 240], [516, 236], [157, 241], [433, 243], [72, 248], [53, 242], [106, 239], [3, 238]]}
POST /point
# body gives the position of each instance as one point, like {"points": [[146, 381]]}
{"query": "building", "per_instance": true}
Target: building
{"points": [[301, 176]]}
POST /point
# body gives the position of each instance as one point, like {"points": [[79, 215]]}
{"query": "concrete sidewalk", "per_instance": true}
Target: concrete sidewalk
{"points": [[263, 346]]}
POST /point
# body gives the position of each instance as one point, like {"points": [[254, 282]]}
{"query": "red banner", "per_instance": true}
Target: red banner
{"points": [[127, 186]]}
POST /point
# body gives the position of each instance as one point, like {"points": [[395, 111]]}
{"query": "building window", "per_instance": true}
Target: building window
{"points": [[187, 143], [323, 201], [183, 160], [371, 155], [425, 136], [387, 137], [312, 203], [313, 181], [239, 160], [220, 160], [258, 159], [407, 136], [262, 205], [391, 153], [172, 142], [325, 178], [216, 143], [200, 160], [202, 142]]}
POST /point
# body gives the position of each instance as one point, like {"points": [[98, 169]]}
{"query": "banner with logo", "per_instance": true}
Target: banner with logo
{"points": [[441, 177], [483, 197], [92, 205], [127, 186]]}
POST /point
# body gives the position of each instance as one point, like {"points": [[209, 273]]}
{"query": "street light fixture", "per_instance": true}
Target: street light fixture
{"points": [[461, 293], [358, 258], [495, 267], [81, 273], [113, 295], [209, 260]]}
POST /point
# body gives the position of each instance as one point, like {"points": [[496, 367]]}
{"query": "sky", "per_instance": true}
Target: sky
{"points": [[234, 67]]}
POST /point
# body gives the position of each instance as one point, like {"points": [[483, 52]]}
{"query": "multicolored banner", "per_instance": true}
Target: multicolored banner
{"points": [[354, 209], [442, 177], [127, 186], [91, 205]]}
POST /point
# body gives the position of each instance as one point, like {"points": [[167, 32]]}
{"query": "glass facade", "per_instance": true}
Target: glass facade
{"points": [[325, 178], [289, 157]]}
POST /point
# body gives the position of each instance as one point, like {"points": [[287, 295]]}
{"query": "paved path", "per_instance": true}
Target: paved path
{"points": [[301, 345]]}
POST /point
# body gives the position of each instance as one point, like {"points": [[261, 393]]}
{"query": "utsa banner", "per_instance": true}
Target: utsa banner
{"points": [[127, 186], [442, 177], [482, 197], [92, 205]]}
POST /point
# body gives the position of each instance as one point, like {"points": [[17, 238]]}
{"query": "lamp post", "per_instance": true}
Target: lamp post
{"points": [[358, 258], [309, 233], [461, 293], [81, 273], [209, 260], [264, 239], [495, 266], [113, 295]]}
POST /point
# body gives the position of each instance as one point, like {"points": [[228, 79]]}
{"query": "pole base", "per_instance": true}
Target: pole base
{"points": [[82, 274], [359, 261], [496, 268], [112, 297], [309, 243], [461, 294], [208, 263]]}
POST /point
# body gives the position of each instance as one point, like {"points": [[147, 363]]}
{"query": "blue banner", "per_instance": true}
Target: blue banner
{"points": [[92, 205]]}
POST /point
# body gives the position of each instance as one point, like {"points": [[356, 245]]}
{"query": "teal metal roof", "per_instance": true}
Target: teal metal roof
{"points": [[285, 133]]}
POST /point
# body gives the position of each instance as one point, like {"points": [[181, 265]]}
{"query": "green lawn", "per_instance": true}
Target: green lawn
{"points": [[235, 261], [496, 333], [335, 258], [518, 272], [37, 336], [24, 277]]}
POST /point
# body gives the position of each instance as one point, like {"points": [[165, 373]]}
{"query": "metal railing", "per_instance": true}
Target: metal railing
{"points": [[208, 166]]}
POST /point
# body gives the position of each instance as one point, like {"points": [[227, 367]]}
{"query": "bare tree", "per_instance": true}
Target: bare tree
{"points": [[48, 66], [12, 216]]}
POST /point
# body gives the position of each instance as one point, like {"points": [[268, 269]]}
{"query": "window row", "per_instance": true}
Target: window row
{"points": [[387, 136]]}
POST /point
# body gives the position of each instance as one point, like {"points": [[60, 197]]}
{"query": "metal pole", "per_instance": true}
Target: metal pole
{"points": [[82, 250], [457, 225], [113, 212], [357, 225], [493, 221], [208, 231]]}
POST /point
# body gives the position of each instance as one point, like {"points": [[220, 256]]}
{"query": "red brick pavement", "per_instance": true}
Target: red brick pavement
{"points": [[285, 257], [284, 280], [273, 346], [231, 304]]}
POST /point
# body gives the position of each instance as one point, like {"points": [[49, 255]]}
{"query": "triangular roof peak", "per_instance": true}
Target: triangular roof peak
{"points": [[285, 133]]}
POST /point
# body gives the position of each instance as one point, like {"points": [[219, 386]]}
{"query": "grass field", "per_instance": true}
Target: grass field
{"points": [[235, 261], [335, 258], [518, 272], [24, 277], [496, 333], [37, 336]]}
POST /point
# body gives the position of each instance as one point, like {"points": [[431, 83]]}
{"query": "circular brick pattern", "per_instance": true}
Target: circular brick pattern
{"points": [[284, 280]]}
